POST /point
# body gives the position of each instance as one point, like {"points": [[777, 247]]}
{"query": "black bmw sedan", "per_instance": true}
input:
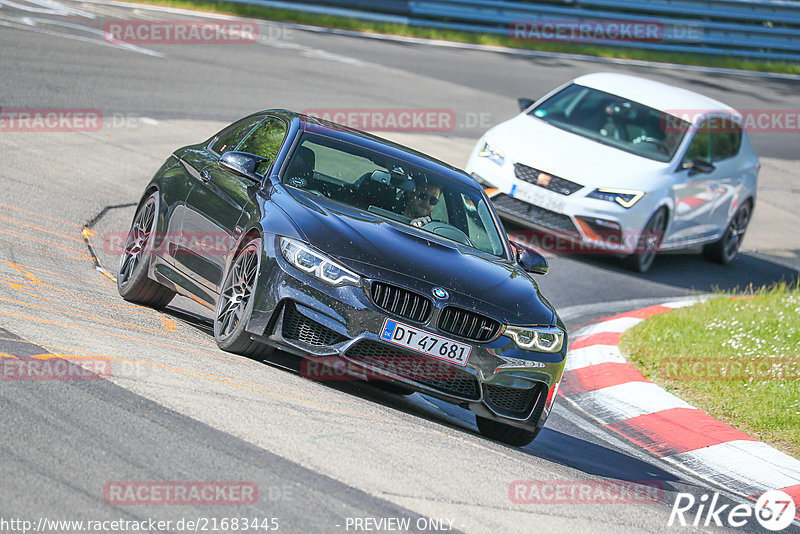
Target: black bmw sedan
{"points": [[356, 254]]}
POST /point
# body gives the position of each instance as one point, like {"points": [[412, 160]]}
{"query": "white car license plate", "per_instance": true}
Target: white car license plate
{"points": [[537, 196], [425, 342]]}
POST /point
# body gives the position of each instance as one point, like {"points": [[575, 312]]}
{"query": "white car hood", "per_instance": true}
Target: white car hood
{"points": [[535, 143]]}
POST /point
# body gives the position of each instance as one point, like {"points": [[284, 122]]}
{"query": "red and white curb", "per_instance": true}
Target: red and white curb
{"points": [[598, 381]]}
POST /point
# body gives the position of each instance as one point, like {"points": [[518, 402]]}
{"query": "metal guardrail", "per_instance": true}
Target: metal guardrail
{"points": [[765, 29], [745, 10]]}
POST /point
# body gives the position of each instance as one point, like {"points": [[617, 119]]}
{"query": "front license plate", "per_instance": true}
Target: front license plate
{"points": [[538, 196], [425, 342]]}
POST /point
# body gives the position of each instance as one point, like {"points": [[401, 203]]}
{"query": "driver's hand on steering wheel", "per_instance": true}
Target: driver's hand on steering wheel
{"points": [[419, 222]]}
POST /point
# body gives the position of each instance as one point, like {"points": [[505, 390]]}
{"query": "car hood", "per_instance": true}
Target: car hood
{"points": [[389, 251], [534, 142]]}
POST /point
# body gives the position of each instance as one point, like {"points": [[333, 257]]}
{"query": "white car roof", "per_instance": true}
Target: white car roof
{"points": [[656, 95]]}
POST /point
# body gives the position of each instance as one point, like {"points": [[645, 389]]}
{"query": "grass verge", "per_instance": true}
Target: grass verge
{"points": [[737, 359], [327, 21]]}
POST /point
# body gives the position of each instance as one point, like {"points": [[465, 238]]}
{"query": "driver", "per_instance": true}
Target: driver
{"points": [[672, 138], [420, 203]]}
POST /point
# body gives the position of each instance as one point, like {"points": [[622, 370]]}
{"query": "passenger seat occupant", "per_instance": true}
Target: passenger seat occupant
{"points": [[369, 193], [302, 165]]}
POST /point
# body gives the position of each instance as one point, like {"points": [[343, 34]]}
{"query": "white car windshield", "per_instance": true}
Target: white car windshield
{"points": [[614, 121]]}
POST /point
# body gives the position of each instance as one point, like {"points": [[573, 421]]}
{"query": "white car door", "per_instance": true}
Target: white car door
{"points": [[726, 141], [695, 193]]}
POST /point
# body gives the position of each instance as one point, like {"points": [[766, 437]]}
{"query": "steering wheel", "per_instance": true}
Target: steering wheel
{"points": [[660, 144], [448, 231]]}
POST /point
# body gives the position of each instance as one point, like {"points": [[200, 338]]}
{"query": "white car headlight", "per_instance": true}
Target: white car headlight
{"points": [[624, 197], [492, 153], [317, 264], [538, 338]]}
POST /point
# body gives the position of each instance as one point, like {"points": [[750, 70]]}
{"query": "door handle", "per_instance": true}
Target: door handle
{"points": [[205, 176]]}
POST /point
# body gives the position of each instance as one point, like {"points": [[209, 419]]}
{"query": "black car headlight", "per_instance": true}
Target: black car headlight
{"points": [[624, 197], [537, 338], [317, 264]]}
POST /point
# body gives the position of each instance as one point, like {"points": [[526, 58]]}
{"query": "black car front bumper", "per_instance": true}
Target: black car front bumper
{"points": [[337, 330]]}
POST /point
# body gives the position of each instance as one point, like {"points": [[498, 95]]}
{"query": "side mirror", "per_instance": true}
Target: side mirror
{"points": [[525, 103], [530, 260], [242, 163], [699, 165]]}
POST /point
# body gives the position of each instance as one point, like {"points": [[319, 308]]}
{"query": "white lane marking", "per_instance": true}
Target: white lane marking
{"points": [[284, 45], [32, 24], [468, 46], [174, 10], [541, 53], [46, 7], [315, 53], [593, 355], [614, 326], [309, 52], [748, 466], [303, 50], [148, 120], [627, 400]]}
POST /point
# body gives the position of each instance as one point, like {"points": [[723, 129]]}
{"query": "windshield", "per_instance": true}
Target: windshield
{"points": [[394, 189], [614, 121]]}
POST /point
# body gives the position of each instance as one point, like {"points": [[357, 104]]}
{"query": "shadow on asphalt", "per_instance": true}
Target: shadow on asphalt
{"points": [[593, 459], [561, 448], [691, 271], [551, 445], [687, 270], [203, 324]]}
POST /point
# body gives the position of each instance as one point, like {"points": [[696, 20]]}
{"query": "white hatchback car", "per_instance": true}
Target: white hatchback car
{"points": [[625, 165]]}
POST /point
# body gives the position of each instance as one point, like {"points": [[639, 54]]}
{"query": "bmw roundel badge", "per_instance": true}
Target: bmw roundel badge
{"points": [[440, 293]]}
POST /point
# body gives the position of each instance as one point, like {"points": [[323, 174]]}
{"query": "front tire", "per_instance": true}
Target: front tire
{"points": [[235, 304], [726, 248], [133, 283], [510, 435], [649, 243]]}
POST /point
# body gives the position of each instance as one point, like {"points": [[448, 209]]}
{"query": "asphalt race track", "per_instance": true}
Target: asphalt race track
{"points": [[176, 408]]}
